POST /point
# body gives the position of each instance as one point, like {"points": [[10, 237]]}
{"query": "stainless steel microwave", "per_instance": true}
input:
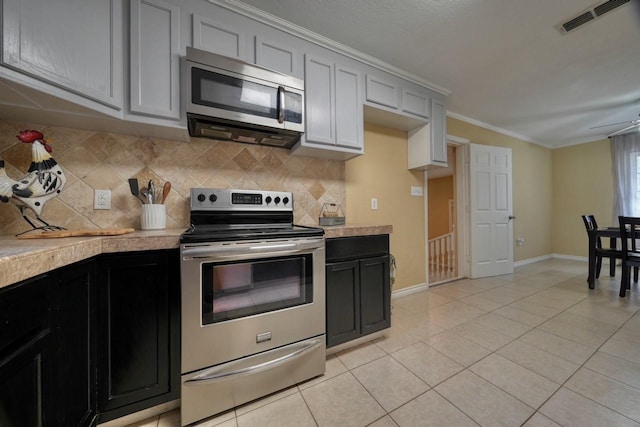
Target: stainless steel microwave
{"points": [[231, 99]]}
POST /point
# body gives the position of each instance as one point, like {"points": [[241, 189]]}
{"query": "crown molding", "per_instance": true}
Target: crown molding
{"points": [[308, 35], [493, 128]]}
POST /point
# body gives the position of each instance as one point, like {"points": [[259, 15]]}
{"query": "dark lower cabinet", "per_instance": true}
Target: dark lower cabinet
{"points": [[343, 302], [76, 344], [27, 354], [138, 329], [90, 342], [47, 366], [357, 287]]}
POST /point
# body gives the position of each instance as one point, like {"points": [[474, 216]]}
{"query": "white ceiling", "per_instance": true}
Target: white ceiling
{"points": [[507, 65]]}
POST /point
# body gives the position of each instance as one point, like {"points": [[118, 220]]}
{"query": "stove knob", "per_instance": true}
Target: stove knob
{"points": [[285, 200], [268, 199], [277, 200], [201, 198], [213, 198]]}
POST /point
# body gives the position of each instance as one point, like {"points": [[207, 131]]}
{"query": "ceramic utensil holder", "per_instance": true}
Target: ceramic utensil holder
{"points": [[153, 217]]}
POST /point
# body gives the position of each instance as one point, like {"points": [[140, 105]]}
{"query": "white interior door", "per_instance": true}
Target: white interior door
{"points": [[491, 211]]}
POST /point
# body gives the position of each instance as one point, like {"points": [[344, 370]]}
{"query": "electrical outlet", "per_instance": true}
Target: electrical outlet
{"points": [[374, 204], [102, 199], [520, 241]]}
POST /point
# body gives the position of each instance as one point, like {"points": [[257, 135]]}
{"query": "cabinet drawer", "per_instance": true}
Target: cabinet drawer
{"points": [[343, 248]]}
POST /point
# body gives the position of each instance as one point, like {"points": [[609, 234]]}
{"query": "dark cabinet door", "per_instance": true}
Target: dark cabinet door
{"points": [[27, 353], [343, 301], [357, 283], [76, 361], [138, 346], [375, 294]]}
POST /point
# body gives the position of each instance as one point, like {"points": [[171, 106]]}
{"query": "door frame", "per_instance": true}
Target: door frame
{"points": [[462, 203], [461, 175]]}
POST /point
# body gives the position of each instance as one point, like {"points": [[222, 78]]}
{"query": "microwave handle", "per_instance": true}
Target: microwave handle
{"points": [[280, 104]]}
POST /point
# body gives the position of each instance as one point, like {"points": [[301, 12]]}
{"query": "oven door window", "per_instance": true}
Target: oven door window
{"points": [[237, 289]]}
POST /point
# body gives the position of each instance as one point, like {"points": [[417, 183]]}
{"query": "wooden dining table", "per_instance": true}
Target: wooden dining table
{"points": [[613, 233]]}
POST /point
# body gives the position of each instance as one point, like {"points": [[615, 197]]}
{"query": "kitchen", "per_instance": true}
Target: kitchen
{"points": [[99, 159]]}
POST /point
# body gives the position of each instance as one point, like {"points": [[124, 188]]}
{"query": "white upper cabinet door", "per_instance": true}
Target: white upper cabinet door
{"points": [[223, 39], [438, 133], [73, 44], [382, 91], [320, 104], [276, 56], [415, 103], [349, 116], [155, 61]]}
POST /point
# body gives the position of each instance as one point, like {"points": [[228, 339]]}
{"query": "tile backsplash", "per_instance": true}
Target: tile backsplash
{"points": [[104, 161]]}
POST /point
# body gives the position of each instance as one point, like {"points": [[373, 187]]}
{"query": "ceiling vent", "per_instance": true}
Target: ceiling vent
{"points": [[594, 12]]}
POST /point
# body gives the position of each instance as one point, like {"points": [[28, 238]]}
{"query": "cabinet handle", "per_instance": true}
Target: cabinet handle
{"points": [[280, 104], [216, 374]]}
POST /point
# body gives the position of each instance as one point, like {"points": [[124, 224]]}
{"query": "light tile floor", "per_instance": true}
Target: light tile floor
{"points": [[533, 348]]}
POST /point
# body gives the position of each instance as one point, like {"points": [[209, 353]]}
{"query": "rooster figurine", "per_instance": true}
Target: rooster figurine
{"points": [[43, 181]]}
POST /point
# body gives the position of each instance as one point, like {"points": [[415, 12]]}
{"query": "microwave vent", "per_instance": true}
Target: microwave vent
{"points": [[592, 13], [276, 142], [608, 6], [215, 133], [578, 21]]}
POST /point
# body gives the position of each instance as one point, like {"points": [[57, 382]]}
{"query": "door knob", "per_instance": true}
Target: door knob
{"points": [[511, 217]]}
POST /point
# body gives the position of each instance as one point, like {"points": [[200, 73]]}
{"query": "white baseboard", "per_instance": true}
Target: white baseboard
{"points": [[573, 257], [532, 260], [409, 290]]}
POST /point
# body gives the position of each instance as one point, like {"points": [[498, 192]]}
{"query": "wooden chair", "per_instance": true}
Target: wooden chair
{"points": [[629, 234], [591, 225]]}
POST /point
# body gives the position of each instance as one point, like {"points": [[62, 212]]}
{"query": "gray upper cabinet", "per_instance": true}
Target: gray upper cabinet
{"points": [[277, 56], [320, 102], [154, 59], [72, 44], [226, 39], [415, 103], [91, 56], [349, 118], [438, 133], [334, 119], [428, 144], [381, 91], [390, 93]]}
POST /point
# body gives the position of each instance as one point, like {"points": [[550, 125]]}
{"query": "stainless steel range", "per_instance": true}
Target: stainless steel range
{"points": [[253, 300]]}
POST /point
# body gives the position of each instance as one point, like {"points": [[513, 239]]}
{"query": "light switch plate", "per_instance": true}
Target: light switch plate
{"points": [[374, 204], [416, 191]]}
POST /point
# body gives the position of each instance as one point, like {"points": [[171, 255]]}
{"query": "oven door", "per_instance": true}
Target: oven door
{"points": [[242, 298]]}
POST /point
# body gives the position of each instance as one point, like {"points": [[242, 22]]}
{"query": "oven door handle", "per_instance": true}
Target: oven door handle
{"points": [[220, 373], [279, 248]]}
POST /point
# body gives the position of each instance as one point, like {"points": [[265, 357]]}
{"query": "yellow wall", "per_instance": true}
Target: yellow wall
{"points": [[583, 184], [382, 173], [439, 194], [533, 183]]}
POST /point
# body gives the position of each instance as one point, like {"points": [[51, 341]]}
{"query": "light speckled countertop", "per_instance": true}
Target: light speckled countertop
{"points": [[22, 259], [350, 230]]}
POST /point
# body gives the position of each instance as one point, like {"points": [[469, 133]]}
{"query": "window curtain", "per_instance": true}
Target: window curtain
{"points": [[625, 150]]}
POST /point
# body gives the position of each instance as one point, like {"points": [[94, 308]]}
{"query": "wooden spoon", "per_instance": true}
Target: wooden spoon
{"points": [[165, 191]]}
